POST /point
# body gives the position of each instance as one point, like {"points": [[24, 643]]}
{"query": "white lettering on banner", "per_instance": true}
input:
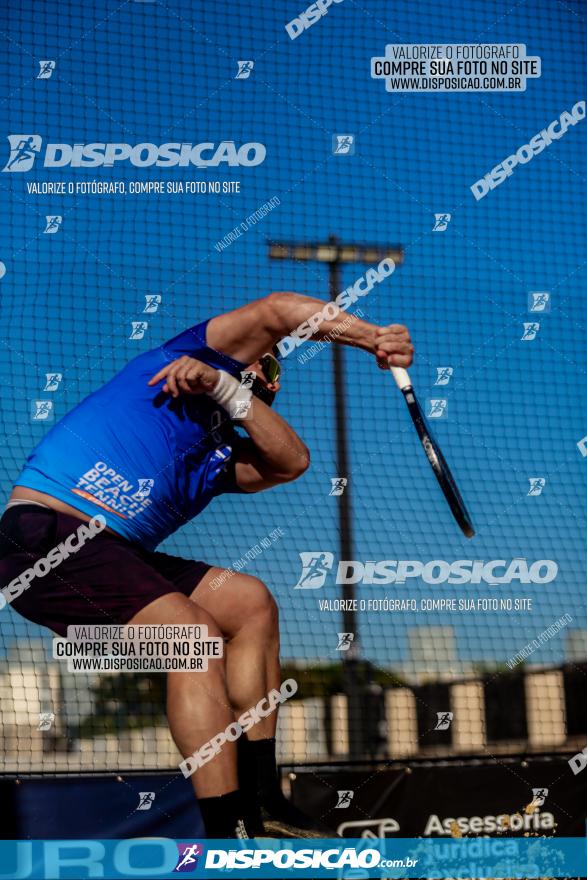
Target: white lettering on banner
{"points": [[535, 821]]}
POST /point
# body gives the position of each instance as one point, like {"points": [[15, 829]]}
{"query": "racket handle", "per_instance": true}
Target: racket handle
{"points": [[402, 378]]}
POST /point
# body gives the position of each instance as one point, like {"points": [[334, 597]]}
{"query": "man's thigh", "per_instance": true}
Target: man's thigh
{"points": [[105, 581]]}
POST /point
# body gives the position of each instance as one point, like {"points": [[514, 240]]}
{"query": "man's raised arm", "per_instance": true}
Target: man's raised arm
{"points": [[248, 332]]}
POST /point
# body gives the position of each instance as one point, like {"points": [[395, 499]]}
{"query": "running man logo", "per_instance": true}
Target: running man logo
{"points": [[530, 331], [443, 375], [188, 854], [152, 303], [315, 567], [54, 222], [146, 800], [46, 69], [144, 490], [52, 381], [42, 410], [245, 68], [345, 641], [343, 144], [539, 301], [247, 379], [344, 799], [537, 484], [444, 720], [338, 485], [139, 328], [437, 409], [46, 720], [241, 409], [24, 149], [441, 222], [539, 796]]}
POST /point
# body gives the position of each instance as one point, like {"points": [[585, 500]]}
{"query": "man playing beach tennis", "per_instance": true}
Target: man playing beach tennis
{"points": [[137, 459]]}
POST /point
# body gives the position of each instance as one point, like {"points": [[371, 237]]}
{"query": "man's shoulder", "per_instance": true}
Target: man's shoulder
{"points": [[189, 341], [140, 368], [128, 384]]}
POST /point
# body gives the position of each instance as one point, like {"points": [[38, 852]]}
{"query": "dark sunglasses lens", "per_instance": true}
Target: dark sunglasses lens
{"points": [[271, 368]]}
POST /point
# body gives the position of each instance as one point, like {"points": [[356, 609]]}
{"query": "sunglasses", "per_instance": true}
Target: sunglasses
{"points": [[271, 368]]}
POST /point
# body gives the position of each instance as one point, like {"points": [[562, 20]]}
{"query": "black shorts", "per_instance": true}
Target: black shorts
{"points": [[107, 581]]}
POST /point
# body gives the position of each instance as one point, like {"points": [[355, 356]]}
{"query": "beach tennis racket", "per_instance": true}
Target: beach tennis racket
{"points": [[443, 474]]}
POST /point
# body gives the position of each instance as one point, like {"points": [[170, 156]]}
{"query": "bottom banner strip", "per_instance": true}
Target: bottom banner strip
{"points": [[161, 858]]}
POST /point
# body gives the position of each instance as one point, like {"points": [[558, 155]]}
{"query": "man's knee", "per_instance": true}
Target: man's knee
{"points": [[175, 608], [259, 601], [238, 601], [194, 614]]}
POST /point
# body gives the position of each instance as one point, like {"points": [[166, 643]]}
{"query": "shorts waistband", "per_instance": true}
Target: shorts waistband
{"points": [[18, 501]]}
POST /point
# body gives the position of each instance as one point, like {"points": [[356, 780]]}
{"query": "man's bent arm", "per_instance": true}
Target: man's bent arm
{"points": [[247, 333], [274, 454]]}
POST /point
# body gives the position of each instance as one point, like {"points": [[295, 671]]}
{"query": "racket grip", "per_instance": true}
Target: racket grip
{"points": [[402, 378]]}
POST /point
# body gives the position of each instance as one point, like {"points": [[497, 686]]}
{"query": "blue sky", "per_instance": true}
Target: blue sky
{"points": [[164, 71]]}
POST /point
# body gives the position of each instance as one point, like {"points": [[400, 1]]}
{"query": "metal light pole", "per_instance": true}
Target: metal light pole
{"points": [[334, 254]]}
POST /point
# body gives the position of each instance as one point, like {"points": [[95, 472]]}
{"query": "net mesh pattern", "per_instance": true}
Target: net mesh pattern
{"points": [[159, 72]]}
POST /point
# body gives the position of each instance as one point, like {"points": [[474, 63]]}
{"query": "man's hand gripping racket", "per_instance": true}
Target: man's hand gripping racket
{"points": [[434, 453]]}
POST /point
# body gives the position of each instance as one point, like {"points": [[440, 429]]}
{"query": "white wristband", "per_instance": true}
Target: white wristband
{"points": [[232, 395]]}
